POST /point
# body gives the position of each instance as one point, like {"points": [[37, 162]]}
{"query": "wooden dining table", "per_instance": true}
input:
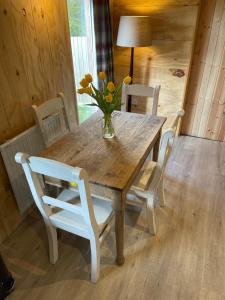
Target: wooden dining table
{"points": [[111, 164]]}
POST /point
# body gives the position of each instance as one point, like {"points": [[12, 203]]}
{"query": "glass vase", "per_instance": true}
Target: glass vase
{"points": [[108, 131]]}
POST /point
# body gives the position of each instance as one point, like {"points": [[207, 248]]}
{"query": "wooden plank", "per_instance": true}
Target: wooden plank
{"points": [[5, 129], [18, 65], [161, 54], [199, 60], [204, 100], [59, 38], [210, 72], [215, 113], [40, 14], [161, 17], [35, 64], [160, 3], [221, 135]]}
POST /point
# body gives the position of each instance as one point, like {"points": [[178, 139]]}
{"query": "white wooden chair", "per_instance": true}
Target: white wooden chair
{"points": [[141, 91], [77, 212], [51, 117], [148, 185]]}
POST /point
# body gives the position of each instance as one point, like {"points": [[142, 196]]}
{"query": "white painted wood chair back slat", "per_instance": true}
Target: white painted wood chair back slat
{"points": [[179, 115], [55, 169], [165, 147], [51, 117], [62, 204], [141, 91]]}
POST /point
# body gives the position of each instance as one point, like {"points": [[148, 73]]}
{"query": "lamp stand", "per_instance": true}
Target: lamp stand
{"points": [[131, 72]]}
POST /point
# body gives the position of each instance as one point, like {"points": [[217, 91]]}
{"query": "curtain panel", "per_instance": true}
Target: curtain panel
{"points": [[103, 37]]}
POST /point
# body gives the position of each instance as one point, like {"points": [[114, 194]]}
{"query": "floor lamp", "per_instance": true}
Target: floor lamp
{"points": [[134, 31]]}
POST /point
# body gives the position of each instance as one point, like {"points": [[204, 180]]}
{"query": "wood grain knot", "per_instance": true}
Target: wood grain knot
{"points": [[177, 72], [24, 12], [5, 12], [17, 73]]}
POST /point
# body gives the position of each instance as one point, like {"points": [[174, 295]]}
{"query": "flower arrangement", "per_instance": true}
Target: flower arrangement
{"points": [[107, 98]]}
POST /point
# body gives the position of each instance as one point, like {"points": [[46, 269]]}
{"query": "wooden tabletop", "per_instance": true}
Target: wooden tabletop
{"points": [[109, 162]]}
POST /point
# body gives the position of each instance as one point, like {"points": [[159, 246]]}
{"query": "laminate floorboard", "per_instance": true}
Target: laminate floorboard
{"points": [[185, 260]]}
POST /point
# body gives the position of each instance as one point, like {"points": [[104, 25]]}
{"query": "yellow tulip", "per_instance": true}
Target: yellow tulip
{"points": [[109, 98], [102, 75], [89, 91], [84, 83], [88, 78], [80, 91], [111, 86], [86, 90], [127, 80], [73, 184]]}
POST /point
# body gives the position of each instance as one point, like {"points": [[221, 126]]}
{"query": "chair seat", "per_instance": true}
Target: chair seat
{"points": [[135, 200], [142, 181], [68, 195], [69, 220]]}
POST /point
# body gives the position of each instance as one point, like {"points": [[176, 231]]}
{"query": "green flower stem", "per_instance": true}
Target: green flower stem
{"points": [[107, 120], [108, 130]]}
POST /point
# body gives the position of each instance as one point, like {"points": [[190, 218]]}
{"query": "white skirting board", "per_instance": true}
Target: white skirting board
{"points": [[31, 142]]}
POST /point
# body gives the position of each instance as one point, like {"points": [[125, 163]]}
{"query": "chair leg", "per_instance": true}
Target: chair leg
{"points": [[160, 192], [95, 259], [150, 214], [53, 243]]}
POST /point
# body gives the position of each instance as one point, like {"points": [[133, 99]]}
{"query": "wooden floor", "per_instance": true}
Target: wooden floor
{"points": [[186, 260]]}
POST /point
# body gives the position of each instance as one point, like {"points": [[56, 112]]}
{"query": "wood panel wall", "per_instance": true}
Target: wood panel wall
{"points": [[205, 100], [35, 64], [174, 24]]}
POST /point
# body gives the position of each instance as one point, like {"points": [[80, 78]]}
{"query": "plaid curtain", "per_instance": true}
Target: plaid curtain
{"points": [[103, 37]]}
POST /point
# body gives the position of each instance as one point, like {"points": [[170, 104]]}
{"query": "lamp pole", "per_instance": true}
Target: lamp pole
{"points": [[131, 73], [134, 31]]}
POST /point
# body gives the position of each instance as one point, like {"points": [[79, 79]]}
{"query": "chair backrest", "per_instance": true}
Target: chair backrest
{"points": [[168, 139], [52, 119], [179, 115], [141, 91], [35, 166]]}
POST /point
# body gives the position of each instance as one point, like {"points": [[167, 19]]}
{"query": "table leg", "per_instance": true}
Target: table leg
{"points": [[156, 148], [119, 207], [119, 230]]}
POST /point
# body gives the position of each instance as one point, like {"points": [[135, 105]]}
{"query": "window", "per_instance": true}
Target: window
{"points": [[83, 49]]}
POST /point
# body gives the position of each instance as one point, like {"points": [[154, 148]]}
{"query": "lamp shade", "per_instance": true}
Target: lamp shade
{"points": [[134, 31]]}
